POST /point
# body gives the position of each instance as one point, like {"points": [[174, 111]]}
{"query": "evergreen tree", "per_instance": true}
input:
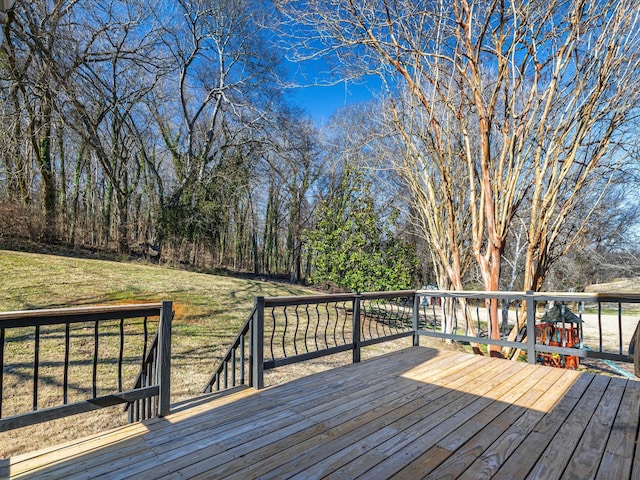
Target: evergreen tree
{"points": [[355, 244]]}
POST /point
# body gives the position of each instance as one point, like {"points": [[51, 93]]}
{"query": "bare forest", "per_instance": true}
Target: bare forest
{"points": [[499, 148]]}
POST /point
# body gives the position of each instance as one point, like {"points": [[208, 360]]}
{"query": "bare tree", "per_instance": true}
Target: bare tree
{"points": [[30, 35], [508, 106], [211, 107], [81, 71], [295, 163]]}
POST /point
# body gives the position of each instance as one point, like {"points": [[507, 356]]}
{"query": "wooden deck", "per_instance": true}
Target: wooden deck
{"points": [[417, 413]]}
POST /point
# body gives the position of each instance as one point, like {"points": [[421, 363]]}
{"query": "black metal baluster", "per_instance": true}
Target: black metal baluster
{"points": [[452, 316], [145, 378], [389, 317], [380, 314], [620, 327], [121, 354], [335, 323], [581, 310], [407, 315], [344, 323], [364, 315], [65, 380], [490, 333], [146, 406], [443, 311], [467, 316], [435, 314], [398, 315], [563, 335], [315, 336], [399, 320], [377, 311], [504, 322], [36, 366], [393, 316], [363, 318], [96, 334], [153, 401], [145, 330], [234, 366], [425, 310], [284, 332], [306, 328], [242, 362], [295, 332], [326, 325], [600, 324], [273, 332]]}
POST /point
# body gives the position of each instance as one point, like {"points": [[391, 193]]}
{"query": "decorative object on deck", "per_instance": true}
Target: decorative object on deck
{"points": [[559, 327]]}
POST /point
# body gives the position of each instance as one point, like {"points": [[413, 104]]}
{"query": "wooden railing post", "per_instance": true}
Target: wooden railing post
{"points": [[257, 340], [416, 316], [163, 367], [531, 327], [356, 328]]}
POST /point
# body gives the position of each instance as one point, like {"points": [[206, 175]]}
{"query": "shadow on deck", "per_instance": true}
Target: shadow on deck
{"points": [[416, 413]]}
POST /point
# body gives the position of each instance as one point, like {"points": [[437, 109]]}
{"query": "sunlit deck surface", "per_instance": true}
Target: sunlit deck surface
{"points": [[416, 413]]}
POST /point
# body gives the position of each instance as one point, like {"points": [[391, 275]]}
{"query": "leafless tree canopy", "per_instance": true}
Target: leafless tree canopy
{"points": [[504, 110], [511, 125]]}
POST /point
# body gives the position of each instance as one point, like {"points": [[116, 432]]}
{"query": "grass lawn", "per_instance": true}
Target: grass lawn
{"points": [[209, 310]]}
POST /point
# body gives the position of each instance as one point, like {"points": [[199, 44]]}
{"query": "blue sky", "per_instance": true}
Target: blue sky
{"points": [[322, 101], [326, 93]]}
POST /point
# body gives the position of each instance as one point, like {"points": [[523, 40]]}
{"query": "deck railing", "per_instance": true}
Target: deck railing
{"points": [[285, 330], [235, 367], [60, 352], [586, 325]]}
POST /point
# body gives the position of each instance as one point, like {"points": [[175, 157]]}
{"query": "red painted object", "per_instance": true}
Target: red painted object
{"points": [[549, 333]]}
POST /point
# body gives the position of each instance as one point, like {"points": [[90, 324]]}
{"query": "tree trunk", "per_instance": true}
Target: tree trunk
{"points": [[123, 224]]}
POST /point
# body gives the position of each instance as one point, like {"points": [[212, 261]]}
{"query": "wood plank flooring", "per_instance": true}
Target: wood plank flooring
{"points": [[416, 413]]}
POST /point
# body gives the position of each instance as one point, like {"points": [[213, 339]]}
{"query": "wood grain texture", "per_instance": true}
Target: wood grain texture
{"points": [[416, 413]]}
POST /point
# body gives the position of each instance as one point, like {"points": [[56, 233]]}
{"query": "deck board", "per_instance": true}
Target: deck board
{"points": [[416, 413], [618, 457]]}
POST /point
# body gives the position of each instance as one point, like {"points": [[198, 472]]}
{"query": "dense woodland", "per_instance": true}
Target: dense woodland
{"points": [[500, 151]]}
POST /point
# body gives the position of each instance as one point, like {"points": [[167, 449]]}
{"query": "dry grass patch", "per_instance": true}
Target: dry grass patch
{"points": [[209, 310]]}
